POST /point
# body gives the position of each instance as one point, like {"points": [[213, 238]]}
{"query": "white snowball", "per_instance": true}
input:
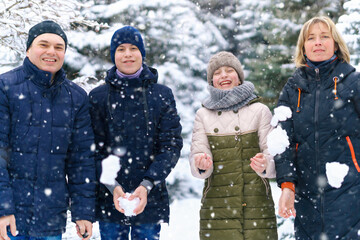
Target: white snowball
{"points": [[127, 205], [335, 173], [277, 141], [110, 168], [281, 113]]}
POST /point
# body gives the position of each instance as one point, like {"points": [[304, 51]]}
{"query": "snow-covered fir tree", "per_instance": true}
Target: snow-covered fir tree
{"points": [[18, 16], [263, 35], [179, 41], [349, 24]]}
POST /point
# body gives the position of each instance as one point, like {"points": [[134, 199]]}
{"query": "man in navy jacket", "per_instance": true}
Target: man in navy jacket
{"points": [[134, 113], [45, 139]]}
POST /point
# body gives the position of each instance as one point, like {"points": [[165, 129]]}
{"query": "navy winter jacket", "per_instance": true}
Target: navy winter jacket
{"points": [[324, 128], [45, 140], [139, 116]]}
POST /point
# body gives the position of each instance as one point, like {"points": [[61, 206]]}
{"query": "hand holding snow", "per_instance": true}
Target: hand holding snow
{"points": [[335, 173], [110, 168], [127, 205], [277, 141], [281, 113]]}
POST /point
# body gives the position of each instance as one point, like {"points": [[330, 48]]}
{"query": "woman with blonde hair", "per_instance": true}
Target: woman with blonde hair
{"points": [[318, 172]]}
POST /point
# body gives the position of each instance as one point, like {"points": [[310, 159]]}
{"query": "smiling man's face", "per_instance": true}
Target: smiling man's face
{"points": [[128, 58], [47, 52]]}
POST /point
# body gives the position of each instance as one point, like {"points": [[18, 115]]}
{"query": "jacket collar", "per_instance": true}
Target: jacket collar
{"points": [[305, 76], [42, 78], [148, 75]]}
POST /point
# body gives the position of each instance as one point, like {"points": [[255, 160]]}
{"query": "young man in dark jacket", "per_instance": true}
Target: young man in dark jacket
{"points": [[45, 140], [134, 113]]}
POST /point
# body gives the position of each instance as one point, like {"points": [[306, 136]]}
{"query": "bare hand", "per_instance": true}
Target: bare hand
{"points": [[141, 193], [118, 192], [4, 222], [203, 161], [84, 229], [286, 203], [258, 163]]}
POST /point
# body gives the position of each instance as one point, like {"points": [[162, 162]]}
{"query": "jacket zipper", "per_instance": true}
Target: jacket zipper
{"points": [[317, 147], [353, 153]]}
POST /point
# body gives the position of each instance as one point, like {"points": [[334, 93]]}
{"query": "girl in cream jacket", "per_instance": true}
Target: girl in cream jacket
{"points": [[229, 151]]}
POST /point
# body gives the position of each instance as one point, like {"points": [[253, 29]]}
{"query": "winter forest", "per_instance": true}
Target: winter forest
{"points": [[180, 36]]}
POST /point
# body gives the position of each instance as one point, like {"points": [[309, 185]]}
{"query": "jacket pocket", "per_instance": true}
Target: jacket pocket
{"points": [[352, 153]]}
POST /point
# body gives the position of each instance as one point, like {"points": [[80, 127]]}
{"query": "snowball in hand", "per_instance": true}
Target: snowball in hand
{"points": [[127, 205], [281, 113], [110, 168], [277, 141], [335, 173]]}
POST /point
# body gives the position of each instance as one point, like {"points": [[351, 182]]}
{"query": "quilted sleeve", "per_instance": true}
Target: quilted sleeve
{"points": [[6, 194], [199, 145], [263, 131], [285, 162], [169, 140]]}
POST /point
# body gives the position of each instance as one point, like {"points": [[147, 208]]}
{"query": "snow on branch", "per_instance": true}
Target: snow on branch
{"points": [[18, 16]]}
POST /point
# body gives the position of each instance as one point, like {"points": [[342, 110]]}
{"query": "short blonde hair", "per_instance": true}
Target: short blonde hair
{"points": [[342, 50]]}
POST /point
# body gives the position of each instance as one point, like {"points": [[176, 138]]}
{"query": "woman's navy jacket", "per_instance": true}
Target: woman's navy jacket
{"points": [[324, 128], [139, 117], [45, 140]]}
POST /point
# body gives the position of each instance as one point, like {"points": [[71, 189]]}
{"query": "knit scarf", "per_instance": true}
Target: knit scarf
{"points": [[230, 100]]}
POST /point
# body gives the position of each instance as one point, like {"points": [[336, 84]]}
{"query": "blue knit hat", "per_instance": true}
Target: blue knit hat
{"points": [[46, 26], [126, 34]]}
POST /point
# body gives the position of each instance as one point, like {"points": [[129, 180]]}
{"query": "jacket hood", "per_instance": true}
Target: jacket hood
{"points": [[148, 76]]}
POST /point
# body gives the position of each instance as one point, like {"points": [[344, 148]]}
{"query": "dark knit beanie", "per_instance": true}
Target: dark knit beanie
{"points": [[47, 26], [126, 34], [222, 59]]}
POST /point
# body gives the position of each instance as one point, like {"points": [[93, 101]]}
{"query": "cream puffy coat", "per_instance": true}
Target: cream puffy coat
{"points": [[253, 117]]}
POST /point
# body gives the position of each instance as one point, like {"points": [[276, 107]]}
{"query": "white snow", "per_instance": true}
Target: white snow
{"points": [[281, 113], [110, 168], [277, 141], [128, 205], [335, 173], [48, 191]]}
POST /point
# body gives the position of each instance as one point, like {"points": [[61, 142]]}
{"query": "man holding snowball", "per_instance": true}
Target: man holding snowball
{"points": [[135, 119]]}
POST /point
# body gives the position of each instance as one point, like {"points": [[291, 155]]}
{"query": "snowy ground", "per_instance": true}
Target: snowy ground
{"points": [[184, 221]]}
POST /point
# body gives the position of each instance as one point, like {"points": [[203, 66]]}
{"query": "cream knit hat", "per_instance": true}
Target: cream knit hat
{"points": [[222, 59]]}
